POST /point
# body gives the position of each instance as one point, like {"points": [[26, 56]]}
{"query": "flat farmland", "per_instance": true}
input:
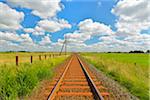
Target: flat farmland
{"points": [[130, 70], [24, 57], [19, 81]]}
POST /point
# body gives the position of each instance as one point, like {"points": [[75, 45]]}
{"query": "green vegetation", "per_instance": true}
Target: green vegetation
{"points": [[130, 70], [19, 81]]}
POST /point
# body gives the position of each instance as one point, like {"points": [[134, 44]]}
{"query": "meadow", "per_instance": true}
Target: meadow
{"points": [[19, 81], [130, 70]]}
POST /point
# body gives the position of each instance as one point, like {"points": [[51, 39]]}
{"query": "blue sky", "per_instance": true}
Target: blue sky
{"points": [[106, 19], [74, 12]]}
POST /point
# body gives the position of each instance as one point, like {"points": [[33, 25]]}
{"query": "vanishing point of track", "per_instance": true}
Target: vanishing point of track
{"points": [[76, 82]]}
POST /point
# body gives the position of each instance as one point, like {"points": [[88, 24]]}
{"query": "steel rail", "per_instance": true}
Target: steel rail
{"points": [[57, 86], [95, 91]]}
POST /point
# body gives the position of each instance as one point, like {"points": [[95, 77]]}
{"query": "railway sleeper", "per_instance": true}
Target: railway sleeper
{"points": [[74, 98], [75, 90], [78, 80]]}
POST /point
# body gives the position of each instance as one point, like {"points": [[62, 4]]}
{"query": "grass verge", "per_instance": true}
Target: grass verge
{"points": [[16, 82], [130, 70]]}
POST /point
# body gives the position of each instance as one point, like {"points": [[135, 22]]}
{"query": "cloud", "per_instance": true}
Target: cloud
{"points": [[132, 19], [77, 37], [14, 37], [28, 30], [41, 8], [53, 25], [45, 41], [94, 28], [109, 40], [47, 10], [46, 25], [9, 36], [15, 42], [88, 29], [141, 39], [8, 46], [37, 31], [12, 41], [135, 10], [26, 38], [133, 16], [10, 19]]}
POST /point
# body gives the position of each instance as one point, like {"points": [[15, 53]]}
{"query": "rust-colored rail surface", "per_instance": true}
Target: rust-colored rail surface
{"points": [[76, 82]]}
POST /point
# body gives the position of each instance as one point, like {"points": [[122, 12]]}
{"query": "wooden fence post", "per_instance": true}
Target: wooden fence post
{"points": [[39, 57], [31, 59], [17, 61], [45, 56]]}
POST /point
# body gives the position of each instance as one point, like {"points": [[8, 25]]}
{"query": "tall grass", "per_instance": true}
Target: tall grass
{"points": [[130, 70], [16, 82]]}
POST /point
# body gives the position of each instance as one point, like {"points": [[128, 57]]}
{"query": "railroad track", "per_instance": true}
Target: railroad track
{"points": [[76, 82]]}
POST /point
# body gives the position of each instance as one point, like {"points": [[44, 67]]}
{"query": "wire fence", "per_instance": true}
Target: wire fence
{"points": [[18, 58]]}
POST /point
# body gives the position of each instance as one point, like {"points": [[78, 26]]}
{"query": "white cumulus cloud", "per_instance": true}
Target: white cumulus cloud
{"points": [[53, 25], [35, 31], [133, 16], [45, 41], [41, 8], [94, 28], [10, 19], [9, 36]]}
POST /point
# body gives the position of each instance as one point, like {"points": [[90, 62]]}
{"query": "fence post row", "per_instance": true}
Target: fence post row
{"points": [[31, 58]]}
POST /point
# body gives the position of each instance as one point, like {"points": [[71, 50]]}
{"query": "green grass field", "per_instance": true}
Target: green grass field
{"points": [[130, 70], [19, 81]]}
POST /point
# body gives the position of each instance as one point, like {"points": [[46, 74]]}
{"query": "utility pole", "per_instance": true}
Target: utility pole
{"points": [[64, 45]]}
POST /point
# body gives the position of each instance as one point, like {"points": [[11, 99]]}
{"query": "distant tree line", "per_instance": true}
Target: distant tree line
{"points": [[139, 51], [16, 51], [135, 51], [148, 51]]}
